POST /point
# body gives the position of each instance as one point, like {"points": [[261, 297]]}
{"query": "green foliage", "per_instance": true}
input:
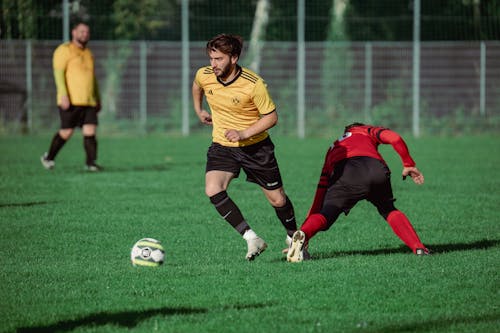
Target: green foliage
{"points": [[396, 110], [66, 236]]}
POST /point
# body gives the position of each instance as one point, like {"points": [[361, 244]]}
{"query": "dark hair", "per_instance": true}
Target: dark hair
{"points": [[76, 23], [227, 44], [348, 127]]}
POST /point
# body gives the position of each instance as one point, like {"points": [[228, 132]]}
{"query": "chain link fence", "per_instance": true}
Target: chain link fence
{"points": [[141, 85]]}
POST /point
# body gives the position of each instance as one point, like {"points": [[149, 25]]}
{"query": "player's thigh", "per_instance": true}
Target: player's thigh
{"points": [[217, 181]]}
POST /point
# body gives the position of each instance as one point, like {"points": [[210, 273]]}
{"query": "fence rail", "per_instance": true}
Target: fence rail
{"points": [[142, 85]]}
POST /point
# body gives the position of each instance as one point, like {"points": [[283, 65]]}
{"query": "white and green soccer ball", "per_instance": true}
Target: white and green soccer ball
{"points": [[147, 252]]}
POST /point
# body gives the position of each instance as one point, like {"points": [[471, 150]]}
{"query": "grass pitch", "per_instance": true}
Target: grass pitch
{"points": [[66, 236]]}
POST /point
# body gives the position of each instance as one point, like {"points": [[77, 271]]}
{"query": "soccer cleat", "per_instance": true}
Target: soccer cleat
{"points": [[288, 242], [255, 247], [47, 164], [296, 253], [422, 252], [93, 168]]}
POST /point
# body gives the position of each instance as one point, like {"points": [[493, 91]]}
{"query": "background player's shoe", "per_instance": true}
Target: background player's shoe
{"points": [[47, 164], [93, 168], [422, 252], [255, 247], [295, 253]]}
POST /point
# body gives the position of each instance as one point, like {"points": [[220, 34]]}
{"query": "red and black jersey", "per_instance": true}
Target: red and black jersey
{"points": [[358, 141]]}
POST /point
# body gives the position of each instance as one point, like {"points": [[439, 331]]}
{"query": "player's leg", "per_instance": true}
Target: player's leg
{"points": [[344, 191], [261, 167], [89, 129], [67, 118], [283, 207], [221, 168], [382, 198]]}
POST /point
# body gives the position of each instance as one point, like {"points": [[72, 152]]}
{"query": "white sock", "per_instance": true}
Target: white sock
{"points": [[249, 234]]}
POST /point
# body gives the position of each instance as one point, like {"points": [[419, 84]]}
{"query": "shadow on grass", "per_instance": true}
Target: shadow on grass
{"points": [[25, 204], [136, 168], [435, 249], [436, 324], [129, 319]]}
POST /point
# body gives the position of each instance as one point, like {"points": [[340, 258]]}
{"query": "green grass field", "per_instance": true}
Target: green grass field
{"points": [[66, 236]]}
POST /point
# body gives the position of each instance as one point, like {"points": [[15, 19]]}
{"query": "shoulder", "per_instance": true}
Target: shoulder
{"points": [[204, 71], [250, 75], [63, 48]]}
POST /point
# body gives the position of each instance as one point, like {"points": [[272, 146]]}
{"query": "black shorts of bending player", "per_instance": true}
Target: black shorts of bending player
{"points": [[77, 116], [257, 161], [355, 179]]}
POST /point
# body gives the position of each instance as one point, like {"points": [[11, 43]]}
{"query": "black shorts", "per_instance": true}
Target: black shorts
{"points": [[356, 179], [77, 116], [257, 161]]}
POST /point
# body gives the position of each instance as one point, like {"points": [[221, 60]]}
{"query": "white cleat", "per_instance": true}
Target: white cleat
{"points": [[296, 251], [255, 247], [288, 242], [47, 164]]}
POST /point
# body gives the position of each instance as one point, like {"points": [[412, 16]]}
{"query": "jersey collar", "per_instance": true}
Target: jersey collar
{"points": [[238, 74]]}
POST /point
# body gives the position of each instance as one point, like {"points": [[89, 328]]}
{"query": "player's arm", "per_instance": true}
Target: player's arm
{"points": [[97, 94], [59, 62], [399, 145], [202, 114], [263, 124]]}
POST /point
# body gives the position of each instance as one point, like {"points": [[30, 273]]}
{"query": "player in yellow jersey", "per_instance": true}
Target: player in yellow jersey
{"points": [[241, 112], [77, 96]]}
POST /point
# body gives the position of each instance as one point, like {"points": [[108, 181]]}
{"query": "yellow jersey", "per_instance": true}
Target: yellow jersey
{"points": [[235, 105], [74, 75]]}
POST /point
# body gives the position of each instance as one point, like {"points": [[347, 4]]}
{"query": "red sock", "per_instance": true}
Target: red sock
{"points": [[313, 224], [404, 230]]}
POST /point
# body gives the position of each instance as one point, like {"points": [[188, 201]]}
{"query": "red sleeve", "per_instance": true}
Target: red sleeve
{"points": [[326, 171], [390, 137]]}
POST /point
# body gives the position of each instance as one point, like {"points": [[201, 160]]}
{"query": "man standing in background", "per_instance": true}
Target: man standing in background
{"points": [[78, 97]]}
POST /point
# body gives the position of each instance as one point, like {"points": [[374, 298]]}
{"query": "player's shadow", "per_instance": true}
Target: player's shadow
{"points": [[442, 324], [128, 319], [25, 204], [136, 168], [435, 249]]}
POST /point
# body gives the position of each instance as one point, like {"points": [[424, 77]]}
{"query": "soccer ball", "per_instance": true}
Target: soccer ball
{"points": [[147, 252]]}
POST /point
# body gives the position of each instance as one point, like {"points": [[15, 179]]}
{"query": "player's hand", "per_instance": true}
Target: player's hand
{"points": [[65, 102], [414, 173], [205, 117], [233, 135]]}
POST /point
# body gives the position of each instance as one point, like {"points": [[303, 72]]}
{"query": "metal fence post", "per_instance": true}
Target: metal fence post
{"points": [[416, 68], [482, 81], [143, 84], [368, 81], [185, 67], [29, 85], [301, 69]]}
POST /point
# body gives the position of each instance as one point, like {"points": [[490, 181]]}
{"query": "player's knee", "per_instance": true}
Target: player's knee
{"points": [[386, 209], [66, 133]]}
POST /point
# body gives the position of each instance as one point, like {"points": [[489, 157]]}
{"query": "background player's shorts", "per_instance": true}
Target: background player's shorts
{"points": [[356, 179], [257, 160], [77, 116]]}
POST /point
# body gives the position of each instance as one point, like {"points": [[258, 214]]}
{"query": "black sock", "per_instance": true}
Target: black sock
{"points": [[286, 215], [229, 211], [90, 145], [56, 144]]}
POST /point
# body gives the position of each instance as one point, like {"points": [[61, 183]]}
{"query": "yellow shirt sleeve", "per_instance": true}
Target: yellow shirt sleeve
{"points": [[60, 82]]}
